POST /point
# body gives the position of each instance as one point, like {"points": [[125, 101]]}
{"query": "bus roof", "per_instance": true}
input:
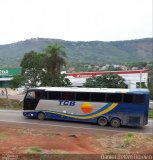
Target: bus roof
{"points": [[102, 90]]}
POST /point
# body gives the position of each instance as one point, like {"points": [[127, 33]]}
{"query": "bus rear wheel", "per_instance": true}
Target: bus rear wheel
{"points": [[41, 116], [102, 121], [115, 122]]}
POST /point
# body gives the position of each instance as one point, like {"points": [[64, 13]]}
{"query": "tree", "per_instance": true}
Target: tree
{"points": [[18, 81], [42, 69], [55, 59], [59, 80], [106, 81], [32, 68]]}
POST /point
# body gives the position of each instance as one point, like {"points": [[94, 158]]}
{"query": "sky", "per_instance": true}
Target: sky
{"points": [[75, 20]]}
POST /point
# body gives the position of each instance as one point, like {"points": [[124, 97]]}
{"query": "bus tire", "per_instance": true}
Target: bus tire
{"points": [[115, 122], [41, 116], [102, 121]]}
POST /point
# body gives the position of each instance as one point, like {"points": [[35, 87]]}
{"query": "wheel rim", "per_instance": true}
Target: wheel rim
{"points": [[102, 121], [115, 123], [41, 116]]}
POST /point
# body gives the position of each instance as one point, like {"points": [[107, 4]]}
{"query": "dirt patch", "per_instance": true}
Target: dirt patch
{"points": [[9, 91], [24, 140], [42, 141]]}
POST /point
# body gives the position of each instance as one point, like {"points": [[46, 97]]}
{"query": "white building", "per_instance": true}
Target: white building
{"points": [[132, 77]]}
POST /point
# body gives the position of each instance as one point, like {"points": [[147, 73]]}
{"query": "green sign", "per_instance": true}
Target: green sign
{"points": [[6, 74], [9, 72]]}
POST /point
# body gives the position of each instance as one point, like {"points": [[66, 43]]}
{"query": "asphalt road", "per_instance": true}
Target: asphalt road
{"points": [[15, 118]]}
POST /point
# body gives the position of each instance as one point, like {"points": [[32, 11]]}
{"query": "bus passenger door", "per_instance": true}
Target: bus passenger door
{"points": [[31, 100]]}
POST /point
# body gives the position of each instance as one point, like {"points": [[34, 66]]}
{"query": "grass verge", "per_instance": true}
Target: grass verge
{"points": [[150, 114], [10, 104]]}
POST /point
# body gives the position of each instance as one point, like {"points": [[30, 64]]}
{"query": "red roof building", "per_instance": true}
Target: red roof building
{"points": [[132, 77]]}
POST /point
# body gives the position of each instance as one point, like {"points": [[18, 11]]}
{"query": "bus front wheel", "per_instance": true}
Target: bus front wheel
{"points": [[115, 122], [41, 116], [102, 121]]}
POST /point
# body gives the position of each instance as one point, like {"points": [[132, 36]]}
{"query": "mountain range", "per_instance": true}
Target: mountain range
{"points": [[94, 52]]}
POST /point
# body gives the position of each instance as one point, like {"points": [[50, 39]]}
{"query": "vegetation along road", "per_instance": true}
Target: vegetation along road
{"points": [[15, 118]]}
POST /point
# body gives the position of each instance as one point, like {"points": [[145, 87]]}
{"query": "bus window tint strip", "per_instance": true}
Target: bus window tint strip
{"points": [[114, 97], [82, 96], [44, 95], [98, 97], [139, 98], [54, 95], [127, 98], [68, 96], [92, 97]]}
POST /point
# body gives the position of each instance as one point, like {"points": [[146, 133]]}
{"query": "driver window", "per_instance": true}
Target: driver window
{"points": [[31, 95]]}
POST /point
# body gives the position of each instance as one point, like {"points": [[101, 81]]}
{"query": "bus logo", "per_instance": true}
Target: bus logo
{"points": [[66, 103], [86, 107]]}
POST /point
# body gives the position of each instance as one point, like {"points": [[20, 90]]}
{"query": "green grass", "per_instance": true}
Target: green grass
{"points": [[130, 135], [3, 137], [128, 140], [10, 104], [150, 115], [37, 149], [34, 150], [13, 107]]}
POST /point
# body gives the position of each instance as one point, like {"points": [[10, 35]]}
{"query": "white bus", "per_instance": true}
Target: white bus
{"points": [[96, 105]]}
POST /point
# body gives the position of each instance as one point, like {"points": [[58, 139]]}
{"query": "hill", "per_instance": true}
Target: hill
{"points": [[95, 52]]}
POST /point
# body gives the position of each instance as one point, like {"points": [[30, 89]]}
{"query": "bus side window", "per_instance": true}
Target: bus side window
{"points": [[127, 98], [37, 95], [54, 95], [98, 97], [44, 95], [31, 95], [68, 96], [114, 97], [139, 98], [82, 96]]}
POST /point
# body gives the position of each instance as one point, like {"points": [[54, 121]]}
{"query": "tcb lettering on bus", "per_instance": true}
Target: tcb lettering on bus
{"points": [[66, 103]]}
